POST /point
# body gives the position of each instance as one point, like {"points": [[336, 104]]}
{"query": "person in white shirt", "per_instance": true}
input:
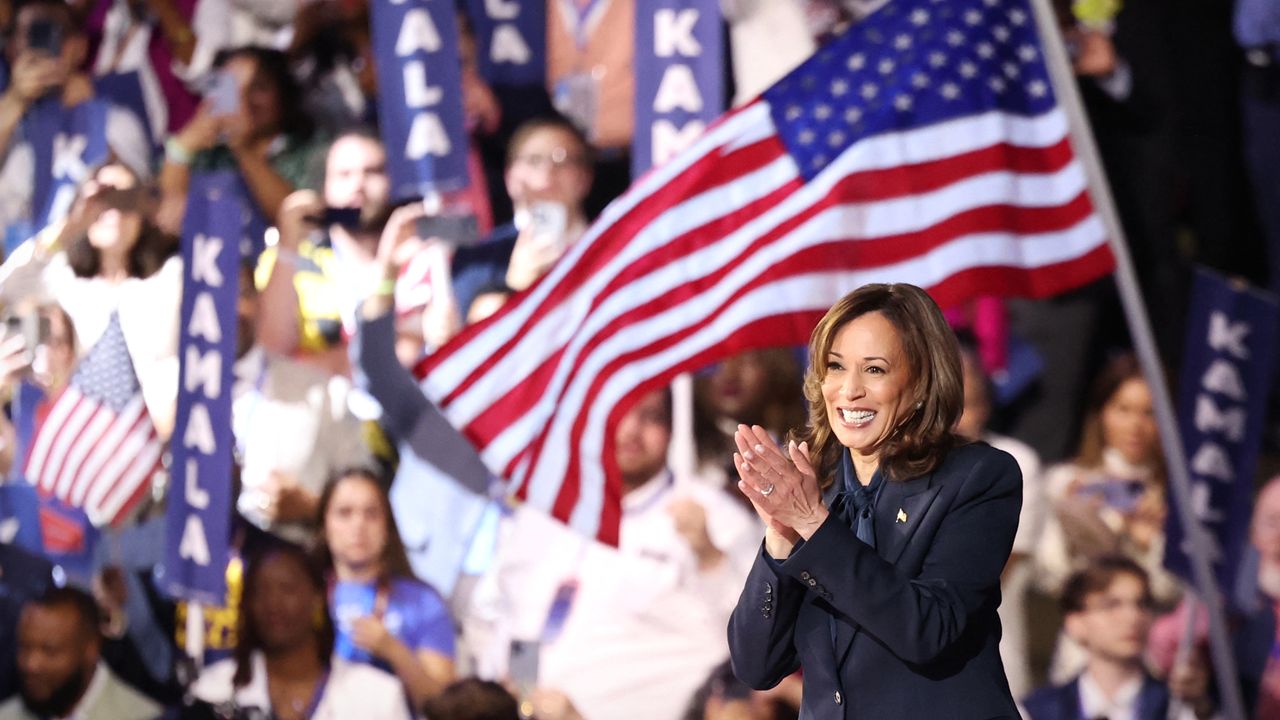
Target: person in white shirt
{"points": [[59, 665], [1015, 580], [632, 631], [284, 663], [1108, 611]]}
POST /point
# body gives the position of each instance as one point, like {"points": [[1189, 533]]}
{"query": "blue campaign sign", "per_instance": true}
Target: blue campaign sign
{"points": [[679, 67], [67, 144], [415, 48], [198, 516], [1226, 377], [511, 40]]}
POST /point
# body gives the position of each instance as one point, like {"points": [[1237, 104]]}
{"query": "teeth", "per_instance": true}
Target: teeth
{"points": [[856, 416]]}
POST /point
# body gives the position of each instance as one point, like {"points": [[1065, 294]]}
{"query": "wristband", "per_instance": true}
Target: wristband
{"points": [[175, 153], [385, 287]]}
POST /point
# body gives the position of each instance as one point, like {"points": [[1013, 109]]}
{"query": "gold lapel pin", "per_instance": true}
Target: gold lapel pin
{"points": [[902, 515]]}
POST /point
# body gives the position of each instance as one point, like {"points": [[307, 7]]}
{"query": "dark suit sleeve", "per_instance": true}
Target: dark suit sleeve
{"points": [[919, 618], [762, 626]]}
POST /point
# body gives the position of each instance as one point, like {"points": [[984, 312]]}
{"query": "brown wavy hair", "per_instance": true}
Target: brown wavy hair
{"points": [[149, 252], [923, 437], [1118, 371], [394, 562]]}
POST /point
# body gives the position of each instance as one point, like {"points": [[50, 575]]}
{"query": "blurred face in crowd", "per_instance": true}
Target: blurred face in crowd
{"points": [[57, 655], [285, 604], [55, 357], [1128, 422], [259, 96], [867, 387], [116, 229], [641, 439], [355, 523], [356, 177], [1115, 622], [550, 165], [1265, 530], [977, 403], [738, 386], [34, 22]]}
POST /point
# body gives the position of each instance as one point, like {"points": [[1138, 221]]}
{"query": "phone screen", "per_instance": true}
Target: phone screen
{"points": [[224, 94], [45, 36], [523, 665], [458, 230]]}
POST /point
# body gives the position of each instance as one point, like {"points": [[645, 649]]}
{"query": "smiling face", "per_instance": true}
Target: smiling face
{"points": [[868, 385]]}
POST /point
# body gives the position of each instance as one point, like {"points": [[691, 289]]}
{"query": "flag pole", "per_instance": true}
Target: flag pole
{"points": [[1144, 344]]}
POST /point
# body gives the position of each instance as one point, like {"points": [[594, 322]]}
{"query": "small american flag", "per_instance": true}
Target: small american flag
{"points": [[924, 145], [98, 449]]}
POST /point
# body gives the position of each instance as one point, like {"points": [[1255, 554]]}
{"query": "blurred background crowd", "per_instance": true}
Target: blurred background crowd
{"points": [[336, 603]]}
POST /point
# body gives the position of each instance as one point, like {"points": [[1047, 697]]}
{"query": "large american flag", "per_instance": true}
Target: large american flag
{"points": [[924, 145], [98, 449]]}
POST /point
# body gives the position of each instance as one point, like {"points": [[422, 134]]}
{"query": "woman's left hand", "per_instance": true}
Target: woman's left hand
{"points": [[371, 635], [782, 486]]}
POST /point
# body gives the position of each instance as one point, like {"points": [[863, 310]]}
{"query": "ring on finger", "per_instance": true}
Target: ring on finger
{"points": [[767, 490]]}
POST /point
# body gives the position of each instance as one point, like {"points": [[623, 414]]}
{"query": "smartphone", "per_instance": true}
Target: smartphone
{"points": [[127, 199], [522, 666], [34, 330], [344, 217], [1118, 493], [548, 222], [457, 230], [45, 35], [224, 94]]}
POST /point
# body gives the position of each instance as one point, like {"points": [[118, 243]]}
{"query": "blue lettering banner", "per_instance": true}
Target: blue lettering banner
{"points": [[67, 144], [199, 507], [125, 90], [415, 44], [1222, 400], [511, 40], [679, 77]]}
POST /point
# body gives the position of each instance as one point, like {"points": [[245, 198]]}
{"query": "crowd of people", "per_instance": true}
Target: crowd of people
{"points": [[354, 590]]}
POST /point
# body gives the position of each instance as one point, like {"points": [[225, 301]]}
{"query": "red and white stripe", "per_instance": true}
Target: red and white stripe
{"points": [[90, 457], [727, 248]]}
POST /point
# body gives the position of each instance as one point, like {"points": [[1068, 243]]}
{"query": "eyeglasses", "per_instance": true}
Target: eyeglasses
{"points": [[555, 159]]}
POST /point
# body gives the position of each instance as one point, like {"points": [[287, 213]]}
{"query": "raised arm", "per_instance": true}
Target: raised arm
{"points": [[407, 413]]}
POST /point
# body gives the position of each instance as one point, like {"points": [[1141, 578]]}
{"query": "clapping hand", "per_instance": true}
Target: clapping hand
{"points": [[783, 487]]}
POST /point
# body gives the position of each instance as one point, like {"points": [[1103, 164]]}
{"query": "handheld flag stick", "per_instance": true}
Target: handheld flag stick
{"points": [[1145, 347]]}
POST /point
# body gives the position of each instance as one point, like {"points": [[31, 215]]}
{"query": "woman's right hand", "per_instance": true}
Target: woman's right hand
{"points": [[201, 131]]}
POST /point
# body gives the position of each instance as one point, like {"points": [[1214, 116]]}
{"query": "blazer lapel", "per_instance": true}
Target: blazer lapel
{"points": [[899, 510], [910, 498]]}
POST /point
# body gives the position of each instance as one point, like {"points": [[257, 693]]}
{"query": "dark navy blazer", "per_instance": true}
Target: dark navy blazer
{"points": [[915, 633], [1063, 702]]}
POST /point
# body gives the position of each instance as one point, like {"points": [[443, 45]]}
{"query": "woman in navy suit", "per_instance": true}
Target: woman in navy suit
{"points": [[885, 533]]}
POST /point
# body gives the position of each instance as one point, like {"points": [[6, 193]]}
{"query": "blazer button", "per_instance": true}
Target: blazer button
{"points": [[812, 582], [839, 699], [768, 589], [804, 575]]}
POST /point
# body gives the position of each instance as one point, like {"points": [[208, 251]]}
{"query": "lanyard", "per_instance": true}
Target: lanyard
{"points": [[583, 19]]}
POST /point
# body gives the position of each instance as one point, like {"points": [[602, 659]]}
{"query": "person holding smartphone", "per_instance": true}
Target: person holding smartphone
{"points": [[1110, 499], [548, 177], [252, 120], [45, 49]]}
